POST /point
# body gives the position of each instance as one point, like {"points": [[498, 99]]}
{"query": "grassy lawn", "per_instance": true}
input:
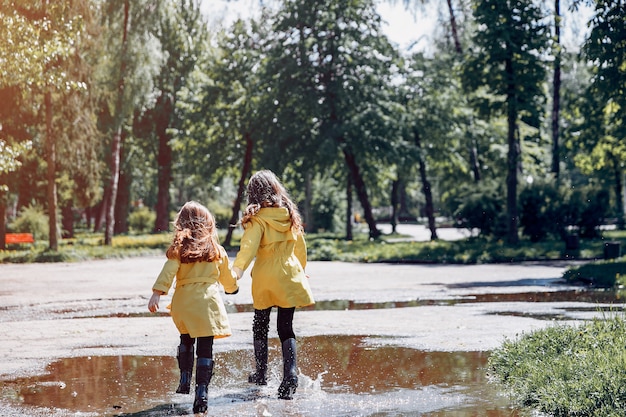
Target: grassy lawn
{"points": [[567, 370], [330, 247]]}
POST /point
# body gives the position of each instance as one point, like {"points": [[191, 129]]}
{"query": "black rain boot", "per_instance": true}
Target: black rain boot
{"points": [[185, 363], [260, 358], [204, 372], [290, 373]]}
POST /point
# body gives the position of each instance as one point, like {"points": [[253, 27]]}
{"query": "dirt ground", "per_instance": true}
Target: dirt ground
{"points": [[51, 311]]}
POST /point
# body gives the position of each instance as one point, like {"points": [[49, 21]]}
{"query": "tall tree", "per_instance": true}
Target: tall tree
{"points": [[49, 39], [556, 90], [182, 33], [333, 78], [606, 50], [506, 60], [128, 64]]}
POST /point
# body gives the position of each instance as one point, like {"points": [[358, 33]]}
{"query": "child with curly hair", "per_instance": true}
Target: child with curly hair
{"points": [[273, 234], [199, 264]]}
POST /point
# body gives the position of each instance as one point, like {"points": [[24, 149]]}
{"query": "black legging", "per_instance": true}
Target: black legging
{"points": [[205, 345], [284, 323]]}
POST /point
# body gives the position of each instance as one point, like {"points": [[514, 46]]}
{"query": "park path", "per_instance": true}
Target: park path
{"points": [[51, 311]]}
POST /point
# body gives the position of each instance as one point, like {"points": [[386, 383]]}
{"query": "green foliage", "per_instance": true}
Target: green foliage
{"points": [[481, 206], [594, 213], [542, 211], [601, 274], [89, 246], [31, 219], [141, 220], [567, 370], [327, 205], [222, 215]]}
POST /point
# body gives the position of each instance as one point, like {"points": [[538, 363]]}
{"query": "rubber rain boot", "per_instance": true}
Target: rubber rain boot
{"points": [[260, 357], [185, 364], [290, 372], [204, 372]]}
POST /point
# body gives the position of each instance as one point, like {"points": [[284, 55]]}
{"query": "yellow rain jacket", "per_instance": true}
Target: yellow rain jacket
{"points": [[197, 306], [278, 277]]}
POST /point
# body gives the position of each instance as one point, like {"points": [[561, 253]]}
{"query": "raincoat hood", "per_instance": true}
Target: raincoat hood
{"points": [[276, 218]]}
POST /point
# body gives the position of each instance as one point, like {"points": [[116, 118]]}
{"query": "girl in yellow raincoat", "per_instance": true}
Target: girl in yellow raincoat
{"points": [[200, 265], [273, 233]]}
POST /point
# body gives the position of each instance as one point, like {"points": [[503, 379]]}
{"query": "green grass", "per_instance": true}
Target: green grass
{"points": [[86, 246], [567, 370], [329, 247]]}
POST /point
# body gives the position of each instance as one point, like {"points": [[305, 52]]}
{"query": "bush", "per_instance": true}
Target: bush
{"points": [[142, 220], [222, 215], [31, 219], [600, 274], [594, 212], [482, 207], [541, 212]]}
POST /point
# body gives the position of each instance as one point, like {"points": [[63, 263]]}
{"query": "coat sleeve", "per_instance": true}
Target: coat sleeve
{"points": [[227, 277], [250, 242], [166, 276], [300, 250]]}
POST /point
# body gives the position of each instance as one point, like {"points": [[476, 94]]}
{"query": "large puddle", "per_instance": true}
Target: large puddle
{"points": [[340, 376]]}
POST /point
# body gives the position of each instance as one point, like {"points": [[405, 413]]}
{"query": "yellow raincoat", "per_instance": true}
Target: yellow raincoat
{"points": [[197, 306], [278, 278]]}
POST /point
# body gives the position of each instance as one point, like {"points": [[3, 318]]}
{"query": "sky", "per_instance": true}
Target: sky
{"points": [[404, 28]]}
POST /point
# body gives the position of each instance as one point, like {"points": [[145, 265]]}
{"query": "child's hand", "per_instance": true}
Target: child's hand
{"points": [[238, 271], [153, 304]]}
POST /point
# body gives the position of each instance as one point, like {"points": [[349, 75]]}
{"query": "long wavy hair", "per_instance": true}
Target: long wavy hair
{"points": [[195, 235], [266, 190]]}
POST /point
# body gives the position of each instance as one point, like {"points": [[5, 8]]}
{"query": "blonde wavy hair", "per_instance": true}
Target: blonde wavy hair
{"points": [[266, 190], [195, 235]]}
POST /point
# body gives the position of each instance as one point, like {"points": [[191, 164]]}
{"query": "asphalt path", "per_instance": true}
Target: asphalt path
{"points": [[52, 311]]}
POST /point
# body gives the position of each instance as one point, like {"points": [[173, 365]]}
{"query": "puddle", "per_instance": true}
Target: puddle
{"points": [[340, 376], [584, 296]]}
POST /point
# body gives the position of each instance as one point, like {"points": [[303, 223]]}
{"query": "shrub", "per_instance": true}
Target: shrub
{"points": [[141, 220], [222, 215], [601, 274], [594, 212], [482, 208], [541, 211], [31, 219]]}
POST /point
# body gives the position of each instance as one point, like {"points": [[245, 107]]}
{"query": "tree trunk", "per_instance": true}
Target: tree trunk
{"points": [[309, 224], [349, 235], [619, 193], [164, 160], [67, 219], [113, 187], [117, 135], [241, 188], [51, 190], [556, 91], [122, 203], [455, 30], [3, 221], [512, 162], [395, 185], [361, 189], [426, 188]]}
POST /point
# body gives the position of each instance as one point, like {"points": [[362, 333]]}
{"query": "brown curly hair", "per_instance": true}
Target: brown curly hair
{"points": [[195, 235], [266, 190]]}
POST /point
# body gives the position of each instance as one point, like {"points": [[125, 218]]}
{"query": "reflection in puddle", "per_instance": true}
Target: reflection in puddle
{"points": [[340, 375]]}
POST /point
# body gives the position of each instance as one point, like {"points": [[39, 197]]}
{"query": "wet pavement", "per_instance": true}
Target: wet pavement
{"points": [[383, 340]]}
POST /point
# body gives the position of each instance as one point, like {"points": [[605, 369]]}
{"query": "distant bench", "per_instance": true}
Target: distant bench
{"points": [[16, 238]]}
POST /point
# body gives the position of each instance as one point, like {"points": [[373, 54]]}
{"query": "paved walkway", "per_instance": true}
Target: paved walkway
{"points": [[50, 311]]}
